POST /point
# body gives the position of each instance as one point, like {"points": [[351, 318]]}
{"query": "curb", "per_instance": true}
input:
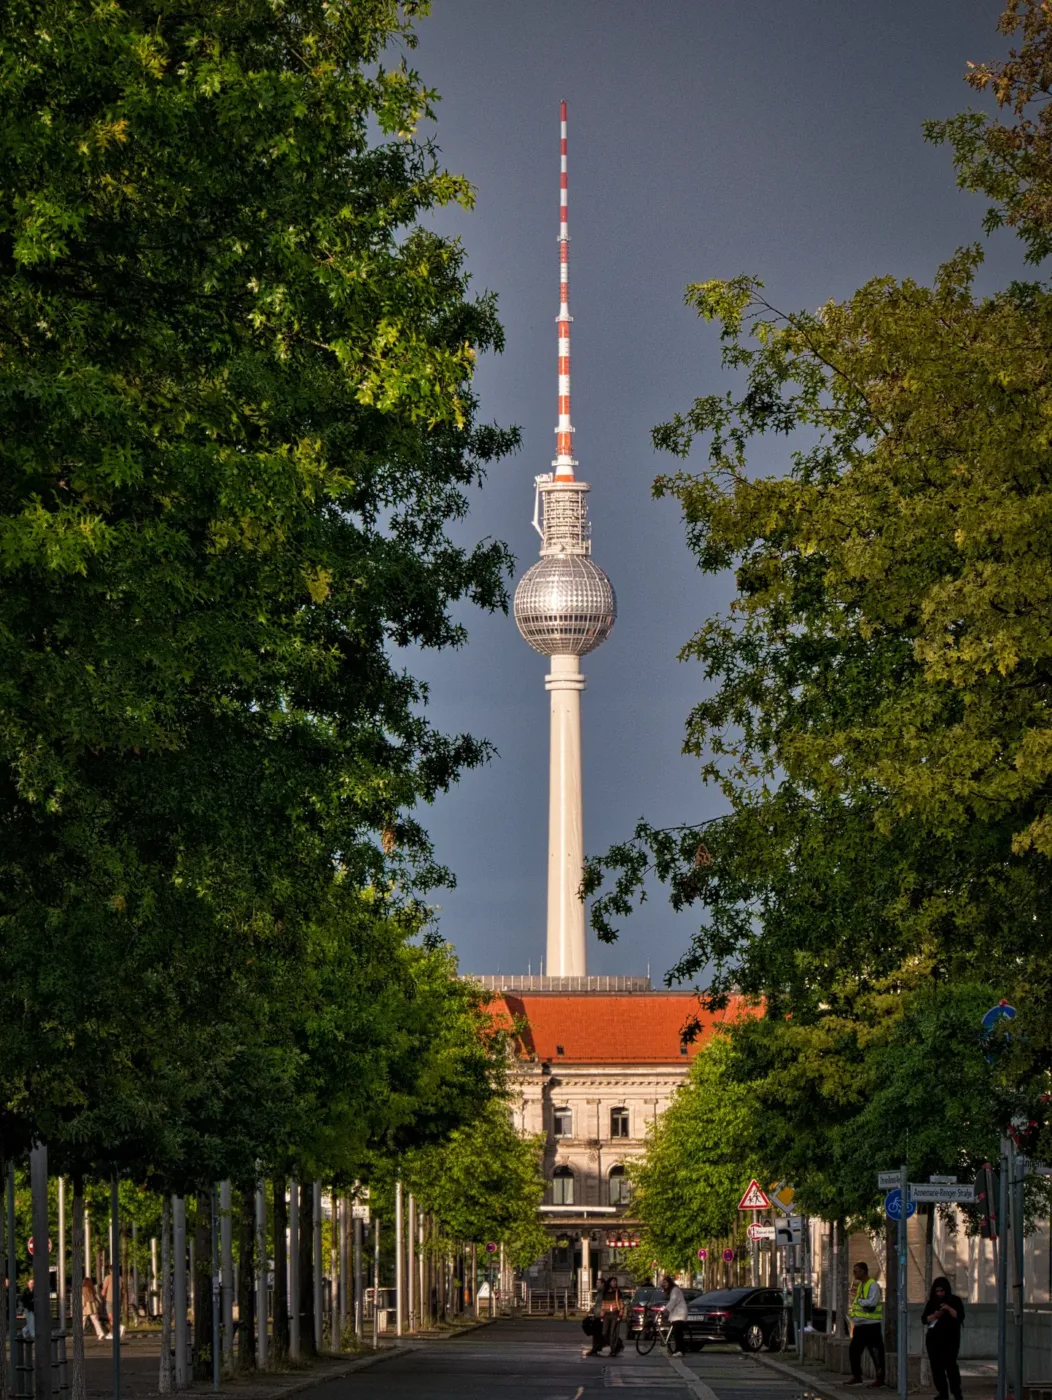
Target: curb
{"points": [[826, 1388], [297, 1384]]}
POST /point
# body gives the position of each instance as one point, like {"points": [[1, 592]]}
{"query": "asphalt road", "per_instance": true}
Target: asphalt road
{"points": [[542, 1360]]}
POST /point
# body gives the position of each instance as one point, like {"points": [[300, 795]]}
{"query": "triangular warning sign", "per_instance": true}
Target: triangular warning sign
{"points": [[755, 1198]]}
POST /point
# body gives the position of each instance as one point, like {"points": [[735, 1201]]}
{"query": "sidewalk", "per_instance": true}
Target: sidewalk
{"points": [[140, 1360], [978, 1380]]}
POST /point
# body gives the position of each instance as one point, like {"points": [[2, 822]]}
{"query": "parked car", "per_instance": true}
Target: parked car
{"points": [[652, 1300], [642, 1299], [752, 1317]]}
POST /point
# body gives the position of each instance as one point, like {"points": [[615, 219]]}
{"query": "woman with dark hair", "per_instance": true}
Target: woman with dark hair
{"points": [[611, 1310], [942, 1318]]}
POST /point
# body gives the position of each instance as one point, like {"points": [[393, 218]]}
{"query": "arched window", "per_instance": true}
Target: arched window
{"points": [[562, 1186], [620, 1187]]}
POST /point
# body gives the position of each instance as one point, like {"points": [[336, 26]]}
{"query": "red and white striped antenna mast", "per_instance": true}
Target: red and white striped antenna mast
{"points": [[564, 459]]}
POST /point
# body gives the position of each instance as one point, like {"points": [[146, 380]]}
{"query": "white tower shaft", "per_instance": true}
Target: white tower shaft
{"points": [[567, 949]]}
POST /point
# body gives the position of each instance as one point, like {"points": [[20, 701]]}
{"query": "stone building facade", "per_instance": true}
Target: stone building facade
{"points": [[597, 1061]]}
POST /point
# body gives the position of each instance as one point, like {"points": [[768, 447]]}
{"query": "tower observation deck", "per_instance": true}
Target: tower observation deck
{"points": [[564, 607]]}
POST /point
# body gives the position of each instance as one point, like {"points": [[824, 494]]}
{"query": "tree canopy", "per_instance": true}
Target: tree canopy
{"points": [[876, 716], [237, 423]]}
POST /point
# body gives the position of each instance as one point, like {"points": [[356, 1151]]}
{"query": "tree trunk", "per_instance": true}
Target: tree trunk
{"points": [[843, 1280], [929, 1243], [307, 1347], [6, 1388], [246, 1281], [202, 1286], [164, 1377], [281, 1264], [78, 1390]]}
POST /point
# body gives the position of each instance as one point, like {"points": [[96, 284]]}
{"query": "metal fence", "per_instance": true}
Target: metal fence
{"points": [[550, 1302]]}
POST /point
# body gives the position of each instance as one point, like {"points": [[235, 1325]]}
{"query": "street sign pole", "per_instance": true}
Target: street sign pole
{"points": [[1002, 1275], [1018, 1243], [904, 1316]]}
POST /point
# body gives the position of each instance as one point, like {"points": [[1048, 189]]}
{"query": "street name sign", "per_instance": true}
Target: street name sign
{"points": [[933, 1191], [755, 1198], [943, 1180], [760, 1232], [887, 1181]]}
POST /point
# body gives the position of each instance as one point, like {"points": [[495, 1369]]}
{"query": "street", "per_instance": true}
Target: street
{"points": [[543, 1360]]}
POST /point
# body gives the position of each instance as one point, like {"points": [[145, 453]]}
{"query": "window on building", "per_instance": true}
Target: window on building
{"points": [[619, 1122], [620, 1189], [562, 1186], [562, 1122]]}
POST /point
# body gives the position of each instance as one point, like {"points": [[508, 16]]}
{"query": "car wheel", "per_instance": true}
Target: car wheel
{"points": [[753, 1338]]}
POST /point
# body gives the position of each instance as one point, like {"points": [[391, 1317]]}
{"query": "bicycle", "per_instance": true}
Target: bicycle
{"points": [[648, 1334]]}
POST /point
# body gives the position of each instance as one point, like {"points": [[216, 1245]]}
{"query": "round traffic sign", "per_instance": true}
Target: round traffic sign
{"points": [[728, 1256], [491, 1248], [893, 1205], [29, 1246], [703, 1253], [1002, 1011]]}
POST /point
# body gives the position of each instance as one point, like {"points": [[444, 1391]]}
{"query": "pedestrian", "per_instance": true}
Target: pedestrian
{"points": [[89, 1304], [593, 1326], [676, 1305], [113, 1297], [942, 1318], [866, 1315], [26, 1298], [612, 1310]]}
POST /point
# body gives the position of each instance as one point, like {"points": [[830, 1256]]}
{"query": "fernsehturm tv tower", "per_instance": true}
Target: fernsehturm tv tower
{"points": [[564, 607]]}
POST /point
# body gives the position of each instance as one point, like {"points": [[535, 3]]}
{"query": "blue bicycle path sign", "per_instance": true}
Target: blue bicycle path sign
{"points": [[893, 1205]]}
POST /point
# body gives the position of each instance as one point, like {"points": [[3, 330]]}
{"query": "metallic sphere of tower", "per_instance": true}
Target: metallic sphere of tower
{"points": [[565, 606]]}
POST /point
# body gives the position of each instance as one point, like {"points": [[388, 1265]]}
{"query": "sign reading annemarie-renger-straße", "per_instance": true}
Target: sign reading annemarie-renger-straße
{"points": [[933, 1191]]}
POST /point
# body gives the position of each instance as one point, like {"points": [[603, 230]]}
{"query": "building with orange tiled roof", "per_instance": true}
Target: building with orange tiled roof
{"points": [[597, 1061]]}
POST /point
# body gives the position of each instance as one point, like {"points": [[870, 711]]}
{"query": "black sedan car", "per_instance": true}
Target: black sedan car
{"points": [[752, 1317]]}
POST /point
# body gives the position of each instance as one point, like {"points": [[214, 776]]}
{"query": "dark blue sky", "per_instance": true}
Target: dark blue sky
{"points": [[780, 138]]}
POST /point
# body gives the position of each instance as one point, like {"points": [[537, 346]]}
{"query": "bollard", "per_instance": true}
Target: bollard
{"points": [[22, 1380]]}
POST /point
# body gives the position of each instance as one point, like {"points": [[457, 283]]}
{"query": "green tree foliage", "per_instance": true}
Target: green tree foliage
{"points": [[1011, 162], [698, 1162], [236, 422], [871, 1081], [877, 714], [484, 1185]]}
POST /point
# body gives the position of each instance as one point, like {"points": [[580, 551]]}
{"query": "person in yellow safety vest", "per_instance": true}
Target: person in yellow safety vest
{"points": [[866, 1315]]}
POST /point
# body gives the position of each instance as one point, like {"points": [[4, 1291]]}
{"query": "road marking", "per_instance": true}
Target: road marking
{"points": [[694, 1382]]}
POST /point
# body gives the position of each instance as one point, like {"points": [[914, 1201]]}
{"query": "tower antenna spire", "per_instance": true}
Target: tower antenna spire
{"points": [[564, 459]]}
